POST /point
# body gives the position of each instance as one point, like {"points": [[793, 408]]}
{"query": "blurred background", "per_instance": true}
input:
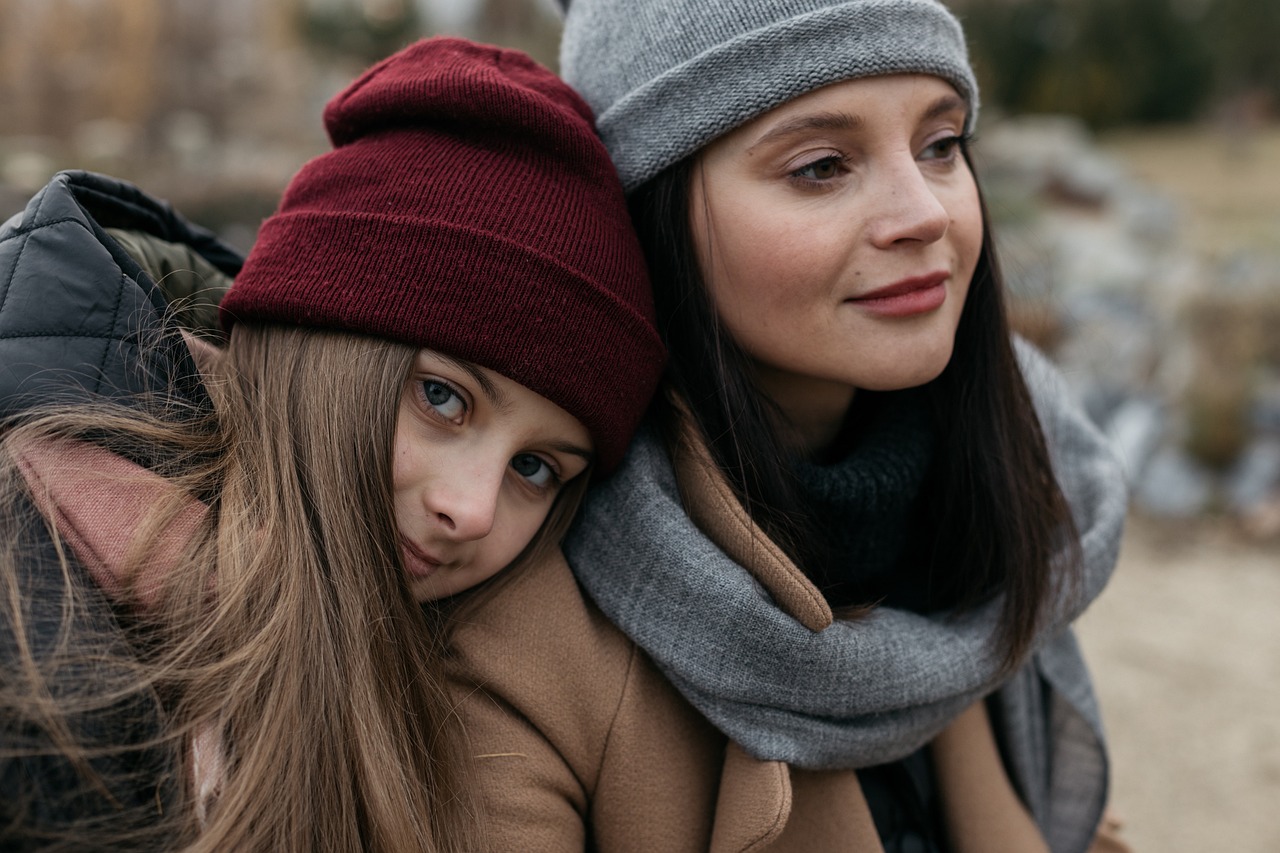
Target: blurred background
{"points": [[1130, 151]]}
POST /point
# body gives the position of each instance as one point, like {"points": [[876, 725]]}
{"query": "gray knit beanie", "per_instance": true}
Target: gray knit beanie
{"points": [[665, 77]]}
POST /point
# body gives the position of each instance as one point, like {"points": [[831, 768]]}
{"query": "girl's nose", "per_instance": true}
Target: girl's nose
{"points": [[909, 210], [465, 506]]}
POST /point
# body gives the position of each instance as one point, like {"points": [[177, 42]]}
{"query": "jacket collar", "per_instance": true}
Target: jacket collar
{"points": [[102, 329], [713, 507], [99, 503]]}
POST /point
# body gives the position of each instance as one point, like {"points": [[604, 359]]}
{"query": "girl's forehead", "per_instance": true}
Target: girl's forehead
{"points": [[504, 395]]}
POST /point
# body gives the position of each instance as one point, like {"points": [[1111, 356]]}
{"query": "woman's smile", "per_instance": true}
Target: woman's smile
{"points": [[916, 295], [838, 234]]}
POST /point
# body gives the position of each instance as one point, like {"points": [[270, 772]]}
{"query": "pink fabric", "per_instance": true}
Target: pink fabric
{"points": [[98, 501]]}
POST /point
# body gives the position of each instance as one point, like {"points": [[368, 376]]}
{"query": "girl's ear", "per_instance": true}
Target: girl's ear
{"points": [[203, 351]]}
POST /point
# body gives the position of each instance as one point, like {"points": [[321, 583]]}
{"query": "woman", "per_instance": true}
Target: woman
{"points": [[212, 631], [847, 428]]}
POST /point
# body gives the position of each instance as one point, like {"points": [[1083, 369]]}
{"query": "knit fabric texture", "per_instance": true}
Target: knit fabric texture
{"points": [[665, 77], [865, 504], [868, 691], [469, 207]]}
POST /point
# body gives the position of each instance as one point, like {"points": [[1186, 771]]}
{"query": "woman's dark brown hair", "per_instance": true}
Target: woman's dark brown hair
{"points": [[998, 519]]}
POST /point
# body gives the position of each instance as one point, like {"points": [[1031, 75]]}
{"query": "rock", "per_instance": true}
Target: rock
{"points": [[1254, 480], [1264, 413], [1262, 521], [1135, 429], [1173, 486], [1112, 339]]}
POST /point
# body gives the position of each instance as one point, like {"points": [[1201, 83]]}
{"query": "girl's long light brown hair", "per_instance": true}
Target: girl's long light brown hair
{"points": [[286, 624]]}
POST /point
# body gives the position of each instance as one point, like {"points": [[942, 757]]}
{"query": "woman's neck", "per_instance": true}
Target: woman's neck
{"points": [[814, 408]]}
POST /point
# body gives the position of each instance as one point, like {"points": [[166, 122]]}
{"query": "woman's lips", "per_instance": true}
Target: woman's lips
{"points": [[916, 295]]}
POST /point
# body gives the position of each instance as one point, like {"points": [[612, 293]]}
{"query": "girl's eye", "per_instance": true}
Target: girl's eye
{"points": [[821, 170], [446, 401], [943, 149], [535, 469]]}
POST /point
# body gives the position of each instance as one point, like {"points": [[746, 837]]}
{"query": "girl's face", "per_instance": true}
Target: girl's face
{"points": [[479, 458], [838, 234]]}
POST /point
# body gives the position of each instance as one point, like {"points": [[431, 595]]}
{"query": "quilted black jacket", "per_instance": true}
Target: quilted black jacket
{"points": [[75, 306], [79, 316]]}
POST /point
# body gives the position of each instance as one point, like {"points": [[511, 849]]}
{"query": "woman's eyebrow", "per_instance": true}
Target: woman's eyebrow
{"points": [[845, 121], [807, 124], [944, 105]]}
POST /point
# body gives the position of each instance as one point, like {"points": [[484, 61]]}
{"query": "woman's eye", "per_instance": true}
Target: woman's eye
{"points": [[535, 469], [820, 170], [447, 402], [943, 149]]}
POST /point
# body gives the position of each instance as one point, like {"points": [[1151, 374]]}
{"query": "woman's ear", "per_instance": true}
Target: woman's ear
{"points": [[203, 351]]}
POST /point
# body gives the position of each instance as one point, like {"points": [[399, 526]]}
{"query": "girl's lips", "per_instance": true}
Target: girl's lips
{"points": [[916, 295], [418, 564]]}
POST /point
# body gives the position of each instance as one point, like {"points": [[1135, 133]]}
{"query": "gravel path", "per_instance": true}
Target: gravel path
{"points": [[1185, 649]]}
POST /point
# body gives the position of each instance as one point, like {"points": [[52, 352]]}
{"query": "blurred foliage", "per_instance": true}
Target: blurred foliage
{"points": [[365, 30], [1234, 339], [522, 24], [1244, 35], [369, 30], [1116, 62]]}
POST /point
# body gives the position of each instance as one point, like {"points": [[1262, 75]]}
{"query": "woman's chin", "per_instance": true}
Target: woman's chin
{"points": [[901, 376]]}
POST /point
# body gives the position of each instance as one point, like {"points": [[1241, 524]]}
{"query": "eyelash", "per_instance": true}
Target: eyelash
{"points": [[953, 143], [798, 176], [553, 475], [953, 146], [554, 481], [433, 408]]}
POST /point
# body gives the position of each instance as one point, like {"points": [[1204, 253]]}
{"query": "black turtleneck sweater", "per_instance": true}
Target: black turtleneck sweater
{"points": [[864, 494]]}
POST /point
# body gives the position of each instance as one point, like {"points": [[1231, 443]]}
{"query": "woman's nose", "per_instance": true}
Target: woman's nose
{"points": [[909, 208]]}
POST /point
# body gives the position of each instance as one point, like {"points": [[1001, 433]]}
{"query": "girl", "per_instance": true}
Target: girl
{"points": [[211, 628], [847, 428]]}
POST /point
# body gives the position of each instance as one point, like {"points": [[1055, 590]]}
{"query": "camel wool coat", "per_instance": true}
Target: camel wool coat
{"points": [[581, 743]]}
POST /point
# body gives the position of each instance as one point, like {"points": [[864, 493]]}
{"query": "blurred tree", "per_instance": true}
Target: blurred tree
{"points": [[523, 24], [362, 30], [78, 71], [1109, 62], [1244, 36]]}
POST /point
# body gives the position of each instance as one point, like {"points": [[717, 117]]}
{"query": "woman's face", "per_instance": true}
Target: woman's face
{"points": [[479, 459], [838, 234]]}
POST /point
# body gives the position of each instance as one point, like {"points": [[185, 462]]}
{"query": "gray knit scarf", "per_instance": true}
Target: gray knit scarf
{"points": [[870, 691]]}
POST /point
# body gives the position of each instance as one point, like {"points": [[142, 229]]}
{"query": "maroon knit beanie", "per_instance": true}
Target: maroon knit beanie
{"points": [[469, 207]]}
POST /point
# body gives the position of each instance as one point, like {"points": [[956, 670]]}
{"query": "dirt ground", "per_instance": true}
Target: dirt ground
{"points": [[1185, 650], [1227, 184]]}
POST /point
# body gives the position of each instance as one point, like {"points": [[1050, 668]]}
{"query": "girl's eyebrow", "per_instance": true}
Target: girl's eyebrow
{"points": [[839, 121], [502, 402], [573, 450], [497, 399]]}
